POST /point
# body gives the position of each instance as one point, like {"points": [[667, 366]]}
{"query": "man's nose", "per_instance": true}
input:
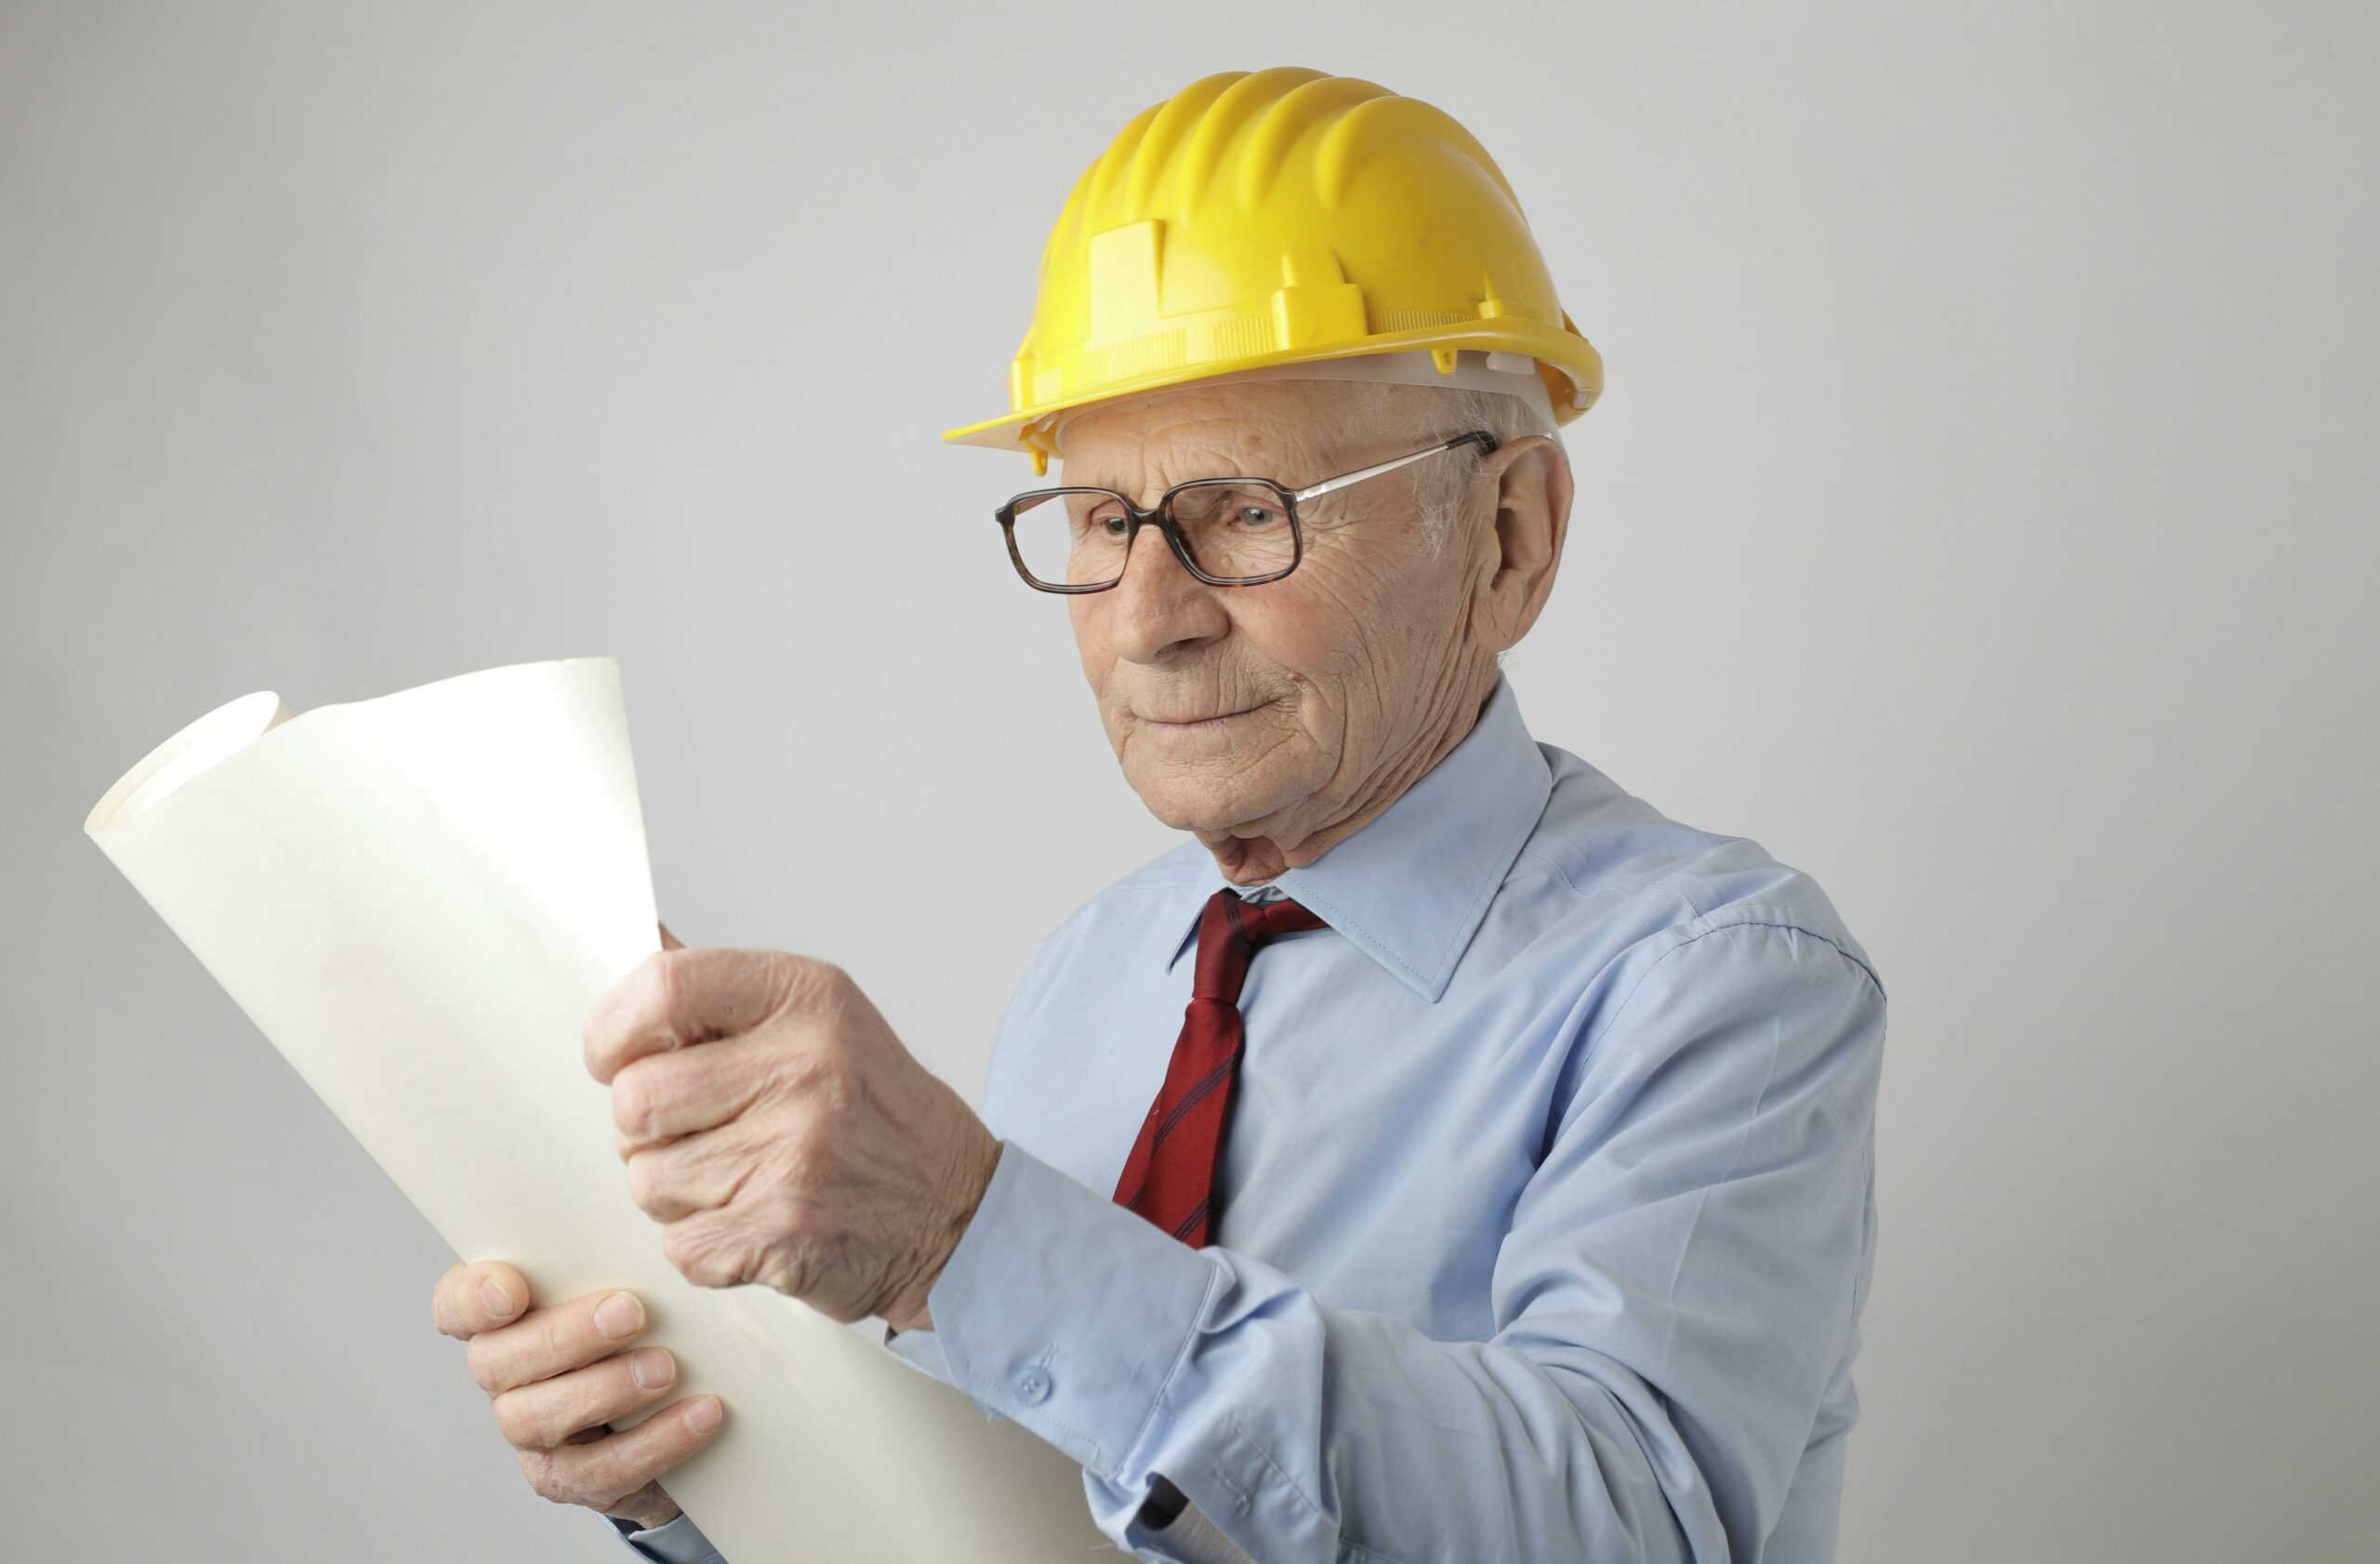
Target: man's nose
{"points": [[1157, 608]]}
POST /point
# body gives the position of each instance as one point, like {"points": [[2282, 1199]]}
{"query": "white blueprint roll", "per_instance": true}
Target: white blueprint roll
{"points": [[418, 900]]}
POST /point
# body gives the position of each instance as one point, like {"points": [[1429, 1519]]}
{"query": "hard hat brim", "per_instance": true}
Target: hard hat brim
{"points": [[1572, 355]]}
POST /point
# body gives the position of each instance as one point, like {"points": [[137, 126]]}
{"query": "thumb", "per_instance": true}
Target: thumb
{"points": [[668, 940]]}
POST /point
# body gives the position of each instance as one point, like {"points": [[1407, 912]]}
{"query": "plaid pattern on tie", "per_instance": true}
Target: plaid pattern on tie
{"points": [[1170, 1173]]}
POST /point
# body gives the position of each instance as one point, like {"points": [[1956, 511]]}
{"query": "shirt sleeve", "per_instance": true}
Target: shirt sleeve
{"points": [[677, 1542], [1678, 1286]]}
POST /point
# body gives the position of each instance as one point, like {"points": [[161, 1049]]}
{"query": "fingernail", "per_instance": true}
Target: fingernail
{"points": [[652, 1368], [618, 1316], [701, 1414], [497, 1298]]}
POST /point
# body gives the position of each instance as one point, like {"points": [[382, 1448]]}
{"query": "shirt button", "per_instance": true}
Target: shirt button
{"points": [[1030, 1382]]}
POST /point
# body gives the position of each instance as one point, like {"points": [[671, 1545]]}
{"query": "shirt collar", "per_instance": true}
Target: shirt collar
{"points": [[1411, 887]]}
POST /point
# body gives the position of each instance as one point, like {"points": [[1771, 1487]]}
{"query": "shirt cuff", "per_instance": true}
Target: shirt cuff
{"points": [[677, 1542], [1065, 1311], [920, 1349]]}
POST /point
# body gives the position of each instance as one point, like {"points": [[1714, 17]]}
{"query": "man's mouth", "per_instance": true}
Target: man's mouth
{"points": [[1191, 724]]}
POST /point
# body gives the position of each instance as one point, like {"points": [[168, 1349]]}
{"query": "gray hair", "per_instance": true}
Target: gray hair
{"points": [[1437, 413]]}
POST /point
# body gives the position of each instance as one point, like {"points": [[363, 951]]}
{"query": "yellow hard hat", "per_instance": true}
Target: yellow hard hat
{"points": [[1282, 217]]}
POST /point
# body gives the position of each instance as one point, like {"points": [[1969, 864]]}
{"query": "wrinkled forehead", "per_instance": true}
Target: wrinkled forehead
{"points": [[1267, 430]]}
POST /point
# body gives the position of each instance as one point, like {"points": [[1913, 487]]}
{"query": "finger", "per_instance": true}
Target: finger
{"points": [[472, 1298], [554, 1341], [670, 941], [675, 999], [661, 1096], [547, 1412], [601, 1472], [694, 1172]]}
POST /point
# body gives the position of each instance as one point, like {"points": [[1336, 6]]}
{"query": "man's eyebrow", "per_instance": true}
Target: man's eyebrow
{"points": [[1251, 471]]}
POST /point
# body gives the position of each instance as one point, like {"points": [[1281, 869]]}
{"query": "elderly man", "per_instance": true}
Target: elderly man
{"points": [[1442, 1154]]}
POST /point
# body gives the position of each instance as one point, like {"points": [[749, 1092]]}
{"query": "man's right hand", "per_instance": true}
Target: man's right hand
{"points": [[559, 1374]]}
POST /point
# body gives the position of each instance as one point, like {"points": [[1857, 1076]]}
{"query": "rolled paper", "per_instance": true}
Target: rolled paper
{"points": [[418, 900]]}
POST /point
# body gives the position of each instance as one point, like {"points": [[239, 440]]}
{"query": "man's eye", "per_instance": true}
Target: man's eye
{"points": [[1256, 518]]}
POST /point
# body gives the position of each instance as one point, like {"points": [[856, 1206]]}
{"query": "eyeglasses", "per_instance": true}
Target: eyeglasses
{"points": [[1227, 532]]}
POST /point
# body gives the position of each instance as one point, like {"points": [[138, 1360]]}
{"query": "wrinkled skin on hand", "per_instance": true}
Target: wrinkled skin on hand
{"points": [[782, 1135]]}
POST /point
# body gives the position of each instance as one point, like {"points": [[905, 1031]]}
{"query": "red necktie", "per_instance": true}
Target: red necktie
{"points": [[1171, 1171]]}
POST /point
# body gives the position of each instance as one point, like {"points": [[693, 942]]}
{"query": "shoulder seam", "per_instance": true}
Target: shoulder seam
{"points": [[1828, 940]]}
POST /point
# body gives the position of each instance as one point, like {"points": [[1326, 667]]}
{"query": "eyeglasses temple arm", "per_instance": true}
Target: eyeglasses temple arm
{"points": [[1486, 441]]}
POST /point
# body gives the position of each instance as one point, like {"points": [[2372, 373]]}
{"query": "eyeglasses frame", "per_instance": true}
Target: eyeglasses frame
{"points": [[1161, 516]]}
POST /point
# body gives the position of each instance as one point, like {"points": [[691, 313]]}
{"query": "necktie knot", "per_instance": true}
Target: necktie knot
{"points": [[1231, 930]]}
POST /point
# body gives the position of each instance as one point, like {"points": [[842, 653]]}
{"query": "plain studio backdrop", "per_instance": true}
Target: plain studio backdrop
{"points": [[1979, 516]]}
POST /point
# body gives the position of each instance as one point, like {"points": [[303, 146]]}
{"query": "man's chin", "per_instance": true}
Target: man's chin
{"points": [[1195, 801]]}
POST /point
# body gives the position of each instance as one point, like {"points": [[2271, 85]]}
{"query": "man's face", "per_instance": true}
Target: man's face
{"points": [[1273, 711]]}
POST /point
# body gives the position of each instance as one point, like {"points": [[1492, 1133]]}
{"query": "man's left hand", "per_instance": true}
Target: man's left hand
{"points": [[771, 1120]]}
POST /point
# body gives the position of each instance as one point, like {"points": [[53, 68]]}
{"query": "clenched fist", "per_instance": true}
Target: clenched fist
{"points": [[782, 1135]]}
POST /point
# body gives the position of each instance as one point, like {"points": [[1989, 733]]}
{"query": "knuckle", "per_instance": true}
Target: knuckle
{"points": [[538, 1466], [835, 1081], [583, 1474], [480, 1356], [633, 1101], [812, 983], [798, 1271], [670, 983], [811, 1162], [613, 1016], [645, 1174], [836, 986], [829, 977], [683, 1247], [522, 1422], [666, 1190], [637, 1004], [698, 1255]]}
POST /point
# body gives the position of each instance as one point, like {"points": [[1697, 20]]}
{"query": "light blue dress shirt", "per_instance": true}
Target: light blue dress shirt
{"points": [[1547, 1201]]}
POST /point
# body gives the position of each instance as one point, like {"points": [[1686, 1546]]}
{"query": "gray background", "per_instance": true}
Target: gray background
{"points": [[1979, 516]]}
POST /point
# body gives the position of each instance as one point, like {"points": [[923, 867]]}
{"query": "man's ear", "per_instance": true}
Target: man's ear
{"points": [[1533, 491]]}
